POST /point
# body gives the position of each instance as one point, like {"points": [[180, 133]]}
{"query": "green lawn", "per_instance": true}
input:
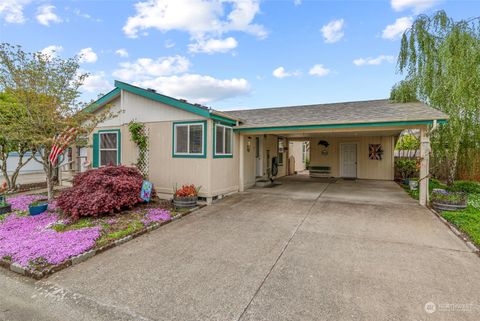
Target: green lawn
{"points": [[468, 220]]}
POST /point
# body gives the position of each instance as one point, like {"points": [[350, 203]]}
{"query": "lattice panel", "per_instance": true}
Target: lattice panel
{"points": [[144, 156]]}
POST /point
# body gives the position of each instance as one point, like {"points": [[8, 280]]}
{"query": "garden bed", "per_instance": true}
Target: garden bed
{"points": [[37, 246], [464, 222]]}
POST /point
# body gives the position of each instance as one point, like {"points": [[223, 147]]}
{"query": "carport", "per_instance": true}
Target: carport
{"points": [[353, 140]]}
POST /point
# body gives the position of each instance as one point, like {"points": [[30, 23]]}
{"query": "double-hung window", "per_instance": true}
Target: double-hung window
{"points": [[189, 139], [223, 141], [108, 148]]}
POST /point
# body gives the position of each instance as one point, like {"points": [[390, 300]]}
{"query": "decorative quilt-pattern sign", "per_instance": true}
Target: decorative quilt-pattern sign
{"points": [[146, 192], [375, 151]]}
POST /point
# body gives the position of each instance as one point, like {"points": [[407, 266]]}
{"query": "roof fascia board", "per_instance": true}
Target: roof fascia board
{"points": [[344, 125]]}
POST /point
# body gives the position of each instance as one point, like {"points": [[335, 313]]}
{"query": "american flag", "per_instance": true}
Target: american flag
{"points": [[60, 143]]}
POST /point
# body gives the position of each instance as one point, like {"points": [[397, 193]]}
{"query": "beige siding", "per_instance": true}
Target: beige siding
{"points": [[167, 171], [295, 149], [249, 162], [130, 107], [224, 171], [366, 168]]}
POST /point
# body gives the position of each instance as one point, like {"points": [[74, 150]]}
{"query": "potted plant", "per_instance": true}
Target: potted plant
{"points": [[186, 196], [443, 200], [406, 168], [4, 206], [38, 207]]}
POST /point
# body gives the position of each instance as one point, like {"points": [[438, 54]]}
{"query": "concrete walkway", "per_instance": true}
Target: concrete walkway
{"points": [[304, 250]]}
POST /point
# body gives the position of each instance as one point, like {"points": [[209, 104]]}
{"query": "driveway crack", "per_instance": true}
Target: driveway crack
{"points": [[282, 251]]}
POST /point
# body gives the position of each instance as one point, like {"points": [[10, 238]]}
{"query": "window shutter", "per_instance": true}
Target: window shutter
{"points": [[96, 143]]}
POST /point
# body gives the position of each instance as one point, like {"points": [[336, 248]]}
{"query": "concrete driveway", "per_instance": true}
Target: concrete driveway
{"points": [[304, 250]]}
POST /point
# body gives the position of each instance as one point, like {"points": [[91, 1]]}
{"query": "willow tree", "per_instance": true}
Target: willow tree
{"points": [[441, 57], [46, 89]]}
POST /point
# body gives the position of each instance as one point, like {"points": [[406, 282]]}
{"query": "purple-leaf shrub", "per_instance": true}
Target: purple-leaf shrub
{"points": [[101, 191], [30, 238]]}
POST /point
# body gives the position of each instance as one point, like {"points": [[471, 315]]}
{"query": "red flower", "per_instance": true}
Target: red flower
{"points": [[187, 191]]}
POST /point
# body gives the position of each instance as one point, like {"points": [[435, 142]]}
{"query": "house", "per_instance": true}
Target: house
{"points": [[226, 152]]}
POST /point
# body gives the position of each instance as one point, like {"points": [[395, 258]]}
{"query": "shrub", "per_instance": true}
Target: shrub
{"points": [[187, 191], [406, 167], [469, 187], [101, 191]]}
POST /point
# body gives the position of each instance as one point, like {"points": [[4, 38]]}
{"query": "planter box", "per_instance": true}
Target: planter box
{"points": [[37, 209], [185, 202], [439, 206], [5, 209]]}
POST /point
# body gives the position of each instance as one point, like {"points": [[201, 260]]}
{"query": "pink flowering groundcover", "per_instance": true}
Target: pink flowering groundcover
{"points": [[48, 239]]}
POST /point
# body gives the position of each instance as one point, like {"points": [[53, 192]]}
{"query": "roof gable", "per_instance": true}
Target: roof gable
{"points": [[152, 95]]}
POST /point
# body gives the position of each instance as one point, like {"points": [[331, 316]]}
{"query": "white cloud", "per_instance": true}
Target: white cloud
{"points": [[333, 31], [213, 45], [297, 2], [147, 68], [373, 61], [202, 19], [397, 28], [319, 70], [280, 72], [198, 88], [52, 50], [46, 15], [12, 10], [417, 5], [87, 55], [122, 52], [96, 83]]}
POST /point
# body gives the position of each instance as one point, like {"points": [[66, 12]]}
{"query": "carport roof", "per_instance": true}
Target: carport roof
{"points": [[346, 114]]}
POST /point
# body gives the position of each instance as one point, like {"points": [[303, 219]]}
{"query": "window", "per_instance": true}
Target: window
{"points": [[108, 148], [223, 141], [189, 139]]}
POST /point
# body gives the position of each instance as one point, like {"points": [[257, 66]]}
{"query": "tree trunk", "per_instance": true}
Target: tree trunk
{"points": [[50, 180]]}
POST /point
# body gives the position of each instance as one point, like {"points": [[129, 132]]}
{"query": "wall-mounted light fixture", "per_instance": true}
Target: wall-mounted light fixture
{"points": [[249, 143]]}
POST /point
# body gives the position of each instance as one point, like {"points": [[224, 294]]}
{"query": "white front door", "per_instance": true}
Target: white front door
{"points": [[258, 156], [348, 160]]}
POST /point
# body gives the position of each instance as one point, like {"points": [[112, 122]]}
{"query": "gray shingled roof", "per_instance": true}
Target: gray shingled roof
{"points": [[369, 111]]}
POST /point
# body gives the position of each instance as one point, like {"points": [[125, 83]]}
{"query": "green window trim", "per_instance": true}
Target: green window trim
{"points": [[222, 155], [204, 140], [96, 146]]}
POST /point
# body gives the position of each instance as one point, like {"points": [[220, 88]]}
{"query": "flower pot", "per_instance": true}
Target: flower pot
{"points": [[441, 202], [439, 206], [37, 209], [413, 185], [5, 209], [185, 202]]}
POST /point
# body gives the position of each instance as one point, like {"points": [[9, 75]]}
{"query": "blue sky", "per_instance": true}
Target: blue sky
{"points": [[228, 54]]}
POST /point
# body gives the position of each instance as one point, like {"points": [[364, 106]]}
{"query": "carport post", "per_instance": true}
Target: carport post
{"points": [[424, 166], [241, 157]]}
